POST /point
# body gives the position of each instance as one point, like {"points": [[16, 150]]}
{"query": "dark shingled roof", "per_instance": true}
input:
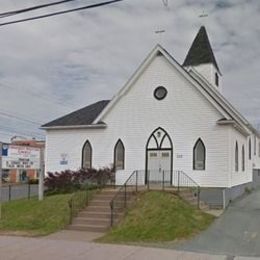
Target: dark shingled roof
{"points": [[200, 51], [83, 116]]}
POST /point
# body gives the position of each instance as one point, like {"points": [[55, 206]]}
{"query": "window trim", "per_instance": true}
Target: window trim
{"points": [[236, 158], [115, 148], [205, 152], [91, 154], [243, 158], [157, 89], [216, 79], [249, 149]]}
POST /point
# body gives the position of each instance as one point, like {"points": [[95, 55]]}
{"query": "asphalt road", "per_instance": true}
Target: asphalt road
{"points": [[235, 232]]}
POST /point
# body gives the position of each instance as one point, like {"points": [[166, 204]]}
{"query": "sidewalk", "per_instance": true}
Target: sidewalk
{"points": [[22, 248]]}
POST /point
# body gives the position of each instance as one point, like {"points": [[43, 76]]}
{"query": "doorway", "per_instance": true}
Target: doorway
{"points": [[159, 157]]}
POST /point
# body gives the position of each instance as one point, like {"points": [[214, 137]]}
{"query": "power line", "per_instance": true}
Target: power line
{"points": [[19, 118], [23, 132], [60, 12], [45, 97], [32, 8]]}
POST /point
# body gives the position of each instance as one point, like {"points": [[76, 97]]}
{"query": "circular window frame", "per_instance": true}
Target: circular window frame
{"points": [[158, 89]]}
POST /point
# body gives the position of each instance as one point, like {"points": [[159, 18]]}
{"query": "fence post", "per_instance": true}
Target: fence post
{"points": [[29, 190], [148, 178], [163, 180], [178, 188], [198, 197], [112, 213], [9, 192], [70, 207], [136, 184]]}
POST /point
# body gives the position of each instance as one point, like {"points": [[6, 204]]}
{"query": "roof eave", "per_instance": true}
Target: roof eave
{"points": [[233, 123], [94, 126]]}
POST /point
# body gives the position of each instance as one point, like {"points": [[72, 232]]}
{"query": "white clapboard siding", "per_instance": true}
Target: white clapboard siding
{"points": [[185, 114]]}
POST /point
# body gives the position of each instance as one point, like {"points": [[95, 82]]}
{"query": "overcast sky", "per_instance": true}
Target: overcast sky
{"points": [[53, 66]]}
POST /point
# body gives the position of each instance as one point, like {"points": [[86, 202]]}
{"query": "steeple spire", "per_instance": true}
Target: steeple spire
{"points": [[201, 51]]}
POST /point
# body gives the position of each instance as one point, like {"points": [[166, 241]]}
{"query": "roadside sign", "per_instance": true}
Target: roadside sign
{"points": [[20, 157]]}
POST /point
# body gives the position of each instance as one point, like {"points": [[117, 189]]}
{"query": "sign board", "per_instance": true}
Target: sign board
{"points": [[64, 159], [20, 157]]}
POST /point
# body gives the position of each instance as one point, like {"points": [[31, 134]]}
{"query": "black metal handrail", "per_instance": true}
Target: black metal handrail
{"points": [[80, 198], [124, 196], [183, 181], [150, 179]]}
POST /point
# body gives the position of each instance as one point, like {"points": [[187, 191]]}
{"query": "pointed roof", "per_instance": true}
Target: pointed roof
{"points": [[200, 51]]}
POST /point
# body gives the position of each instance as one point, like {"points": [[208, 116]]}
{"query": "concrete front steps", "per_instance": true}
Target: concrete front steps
{"points": [[188, 196], [96, 216]]}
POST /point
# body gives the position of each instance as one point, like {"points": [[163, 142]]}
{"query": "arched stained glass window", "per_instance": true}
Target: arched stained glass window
{"points": [[236, 158], [87, 156], [119, 155], [249, 149], [243, 158], [199, 156]]}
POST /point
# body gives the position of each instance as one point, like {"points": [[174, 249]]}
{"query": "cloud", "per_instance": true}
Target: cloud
{"points": [[53, 66]]}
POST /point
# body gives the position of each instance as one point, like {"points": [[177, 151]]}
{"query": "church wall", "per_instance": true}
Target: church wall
{"points": [[256, 152], [240, 177], [185, 114]]}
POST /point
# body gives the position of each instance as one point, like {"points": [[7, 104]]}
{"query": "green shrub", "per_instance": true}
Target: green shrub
{"points": [[70, 181]]}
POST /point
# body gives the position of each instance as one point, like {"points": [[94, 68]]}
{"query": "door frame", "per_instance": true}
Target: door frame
{"points": [[159, 148]]}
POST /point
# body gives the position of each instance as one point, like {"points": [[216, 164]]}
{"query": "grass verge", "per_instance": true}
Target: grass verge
{"points": [[159, 216], [33, 217]]}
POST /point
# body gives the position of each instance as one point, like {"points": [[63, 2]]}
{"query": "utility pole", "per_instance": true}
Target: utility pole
{"points": [[1, 174], [41, 175]]}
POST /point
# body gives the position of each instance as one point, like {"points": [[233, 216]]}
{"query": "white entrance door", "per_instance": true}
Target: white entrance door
{"points": [[159, 165]]}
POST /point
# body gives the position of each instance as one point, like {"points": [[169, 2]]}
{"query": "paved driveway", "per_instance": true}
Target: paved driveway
{"points": [[235, 232]]}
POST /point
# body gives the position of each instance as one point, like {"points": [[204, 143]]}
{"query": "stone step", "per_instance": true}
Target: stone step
{"points": [[104, 197], [96, 202], [98, 208], [94, 214], [91, 228], [189, 198], [109, 192], [91, 221], [186, 195]]}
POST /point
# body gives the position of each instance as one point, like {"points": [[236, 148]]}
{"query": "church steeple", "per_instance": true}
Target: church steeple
{"points": [[201, 57], [200, 51]]}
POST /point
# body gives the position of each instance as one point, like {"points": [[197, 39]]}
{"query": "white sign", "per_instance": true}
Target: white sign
{"points": [[64, 159], [20, 157]]}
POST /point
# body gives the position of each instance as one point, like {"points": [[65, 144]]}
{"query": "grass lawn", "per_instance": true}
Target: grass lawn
{"points": [[35, 217], [159, 216]]}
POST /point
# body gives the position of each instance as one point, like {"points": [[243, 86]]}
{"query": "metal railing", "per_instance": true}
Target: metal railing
{"points": [[19, 191], [158, 179], [183, 182], [125, 195], [150, 180], [80, 199]]}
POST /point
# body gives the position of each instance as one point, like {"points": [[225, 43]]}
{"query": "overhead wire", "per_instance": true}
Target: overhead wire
{"points": [[41, 96], [33, 8], [60, 12], [18, 118]]}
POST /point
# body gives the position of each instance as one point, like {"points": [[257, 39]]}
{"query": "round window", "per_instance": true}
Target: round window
{"points": [[160, 93]]}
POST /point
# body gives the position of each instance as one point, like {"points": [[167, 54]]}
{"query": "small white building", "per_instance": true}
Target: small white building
{"points": [[168, 117]]}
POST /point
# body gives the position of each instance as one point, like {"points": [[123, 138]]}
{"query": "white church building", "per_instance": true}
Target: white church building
{"points": [[168, 117]]}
